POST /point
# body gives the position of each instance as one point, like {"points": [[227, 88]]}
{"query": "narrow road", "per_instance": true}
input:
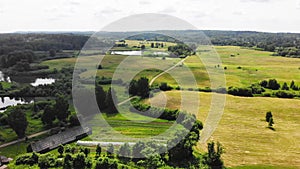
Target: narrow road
{"points": [[154, 78], [157, 76], [23, 139], [127, 100]]}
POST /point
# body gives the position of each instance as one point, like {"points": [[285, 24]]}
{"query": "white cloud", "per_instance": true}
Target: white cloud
{"points": [[168, 10], [268, 15], [255, 0], [144, 2]]}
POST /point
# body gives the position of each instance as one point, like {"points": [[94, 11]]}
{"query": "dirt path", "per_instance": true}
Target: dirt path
{"points": [[157, 76], [23, 139]]}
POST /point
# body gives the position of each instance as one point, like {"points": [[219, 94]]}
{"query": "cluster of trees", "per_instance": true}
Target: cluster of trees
{"points": [[157, 45], [180, 50], [16, 117], [282, 91], [86, 105], [247, 91], [58, 111], [17, 57], [139, 87], [271, 84]]}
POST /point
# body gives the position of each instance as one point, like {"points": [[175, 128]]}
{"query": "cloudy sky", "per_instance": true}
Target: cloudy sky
{"points": [[82, 15]]}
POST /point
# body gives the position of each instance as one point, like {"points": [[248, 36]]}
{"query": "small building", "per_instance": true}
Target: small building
{"points": [[65, 137]]}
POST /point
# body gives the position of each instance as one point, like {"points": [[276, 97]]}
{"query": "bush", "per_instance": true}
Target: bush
{"points": [[164, 87], [27, 159], [247, 92], [284, 94], [206, 89], [267, 95], [154, 111], [257, 89], [47, 161], [105, 162]]}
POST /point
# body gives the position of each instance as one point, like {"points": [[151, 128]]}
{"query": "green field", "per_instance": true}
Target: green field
{"points": [[243, 130], [127, 126], [255, 66]]}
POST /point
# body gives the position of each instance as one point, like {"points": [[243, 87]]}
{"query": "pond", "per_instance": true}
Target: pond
{"points": [[128, 53], [140, 53], [42, 81], [34, 81], [7, 101]]}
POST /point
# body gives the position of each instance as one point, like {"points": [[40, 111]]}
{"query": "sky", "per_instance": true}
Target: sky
{"points": [[93, 15]]}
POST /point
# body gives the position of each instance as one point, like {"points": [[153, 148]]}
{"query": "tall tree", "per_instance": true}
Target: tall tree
{"points": [[100, 97], [110, 150], [61, 108], [111, 101], [213, 157], [17, 121], [98, 150], [137, 149], [124, 151], [61, 150], [49, 115], [285, 86], [143, 87], [268, 116], [79, 161], [133, 89]]}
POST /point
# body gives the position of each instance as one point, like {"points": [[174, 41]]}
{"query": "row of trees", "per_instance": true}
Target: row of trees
{"points": [[281, 91]]}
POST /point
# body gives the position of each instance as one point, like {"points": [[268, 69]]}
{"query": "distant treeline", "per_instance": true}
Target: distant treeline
{"points": [[282, 44], [40, 42]]}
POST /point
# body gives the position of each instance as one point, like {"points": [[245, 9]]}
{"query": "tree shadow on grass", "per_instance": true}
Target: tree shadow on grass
{"points": [[271, 128]]}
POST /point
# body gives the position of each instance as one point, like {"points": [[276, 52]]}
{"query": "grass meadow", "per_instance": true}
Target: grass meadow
{"points": [[243, 130]]}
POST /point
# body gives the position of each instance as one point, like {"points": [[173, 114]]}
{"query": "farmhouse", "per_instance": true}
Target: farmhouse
{"points": [[65, 137]]}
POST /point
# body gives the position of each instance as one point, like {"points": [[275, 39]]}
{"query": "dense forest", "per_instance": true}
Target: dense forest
{"points": [[282, 44]]}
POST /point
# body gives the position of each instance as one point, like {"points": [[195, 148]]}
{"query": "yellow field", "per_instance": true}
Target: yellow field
{"points": [[243, 130]]}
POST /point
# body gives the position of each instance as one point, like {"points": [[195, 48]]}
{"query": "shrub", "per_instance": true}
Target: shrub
{"points": [[240, 91], [47, 161], [27, 159], [284, 94], [257, 89], [164, 87], [273, 84]]}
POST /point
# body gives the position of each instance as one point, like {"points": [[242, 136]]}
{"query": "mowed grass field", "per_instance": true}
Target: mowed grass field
{"points": [[255, 66], [243, 130]]}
